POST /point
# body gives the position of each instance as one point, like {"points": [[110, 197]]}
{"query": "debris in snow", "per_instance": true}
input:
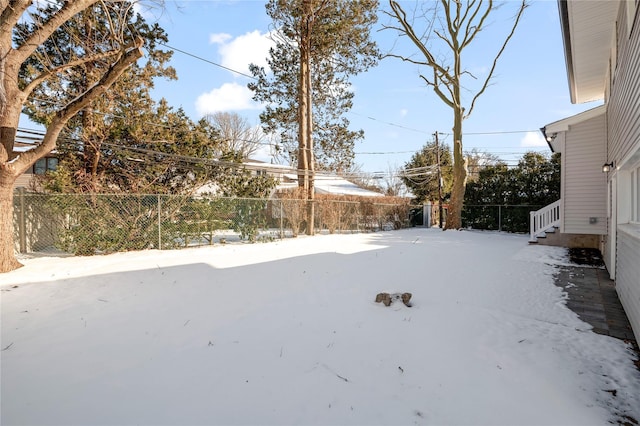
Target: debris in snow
{"points": [[388, 299]]}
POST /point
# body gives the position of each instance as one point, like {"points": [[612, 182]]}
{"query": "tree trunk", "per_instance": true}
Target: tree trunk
{"points": [[8, 261], [310, 158], [7, 138], [8, 176], [454, 213], [305, 156], [303, 147]]}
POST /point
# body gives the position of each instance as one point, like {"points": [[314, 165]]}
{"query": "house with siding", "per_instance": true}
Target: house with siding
{"points": [[25, 141], [600, 148]]}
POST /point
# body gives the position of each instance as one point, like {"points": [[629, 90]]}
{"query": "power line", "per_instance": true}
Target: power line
{"points": [[355, 113], [208, 61], [368, 117]]}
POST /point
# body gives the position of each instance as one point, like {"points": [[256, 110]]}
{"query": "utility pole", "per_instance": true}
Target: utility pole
{"points": [[439, 181]]}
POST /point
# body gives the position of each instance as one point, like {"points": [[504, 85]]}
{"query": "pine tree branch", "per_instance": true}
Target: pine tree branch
{"points": [[72, 108], [45, 75], [46, 29]]}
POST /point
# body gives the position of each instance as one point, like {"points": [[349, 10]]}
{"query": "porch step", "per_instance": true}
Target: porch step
{"points": [[544, 234], [543, 220]]}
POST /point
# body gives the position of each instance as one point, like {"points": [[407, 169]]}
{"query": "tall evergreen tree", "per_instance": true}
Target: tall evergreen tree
{"points": [[91, 150], [421, 173], [319, 45], [533, 183], [155, 150]]}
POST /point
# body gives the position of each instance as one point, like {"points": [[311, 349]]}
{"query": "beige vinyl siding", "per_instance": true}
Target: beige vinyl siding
{"points": [[628, 277], [23, 181], [585, 186]]}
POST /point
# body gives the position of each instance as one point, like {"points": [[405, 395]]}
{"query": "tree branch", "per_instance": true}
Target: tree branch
{"points": [[11, 13], [523, 6], [472, 31], [408, 30], [60, 119], [65, 13], [43, 76]]}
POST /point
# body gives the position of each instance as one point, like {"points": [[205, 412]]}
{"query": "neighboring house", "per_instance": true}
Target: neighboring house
{"points": [[323, 183], [600, 148], [329, 184], [287, 178], [47, 163]]}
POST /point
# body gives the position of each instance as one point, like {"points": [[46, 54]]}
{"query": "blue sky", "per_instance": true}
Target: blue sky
{"points": [[392, 104]]}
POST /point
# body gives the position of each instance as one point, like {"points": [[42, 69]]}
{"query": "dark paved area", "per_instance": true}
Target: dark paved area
{"points": [[592, 295]]}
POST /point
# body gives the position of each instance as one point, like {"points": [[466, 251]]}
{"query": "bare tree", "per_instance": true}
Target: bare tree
{"points": [[477, 160], [237, 135], [446, 31], [25, 65], [393, 184]]}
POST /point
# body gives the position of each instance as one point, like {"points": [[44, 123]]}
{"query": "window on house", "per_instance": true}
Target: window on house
{"points": [[44, 165]]}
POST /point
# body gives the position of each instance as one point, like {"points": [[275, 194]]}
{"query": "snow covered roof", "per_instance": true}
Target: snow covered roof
{"points": [[323, 183], [335, 185]]}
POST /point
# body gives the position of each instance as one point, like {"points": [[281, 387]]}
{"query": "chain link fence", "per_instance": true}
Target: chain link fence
{"points": [[82, 224], [504, 217]]}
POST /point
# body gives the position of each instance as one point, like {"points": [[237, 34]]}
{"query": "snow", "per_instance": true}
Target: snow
{"points": [[288, 333], [327, 184]]}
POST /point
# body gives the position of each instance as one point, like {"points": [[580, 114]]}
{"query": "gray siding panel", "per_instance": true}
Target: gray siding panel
{"points": [[628, 276], [584, 183], [624, 103], [623, 118]]}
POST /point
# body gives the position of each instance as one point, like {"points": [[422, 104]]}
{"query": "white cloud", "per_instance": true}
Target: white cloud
{"points": [[229, 97], [404, 112], [219, 38], [237, 53], [149, 10], [533, 139]]}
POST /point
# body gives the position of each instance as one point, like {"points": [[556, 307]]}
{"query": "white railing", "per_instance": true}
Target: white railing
{"points": [[544, 219]]}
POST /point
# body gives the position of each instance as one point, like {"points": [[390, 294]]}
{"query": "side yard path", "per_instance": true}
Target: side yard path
{"points": [[592, 295]]}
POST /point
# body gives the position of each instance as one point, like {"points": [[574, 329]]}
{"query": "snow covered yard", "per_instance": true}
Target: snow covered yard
{"points": [[288, 333]]}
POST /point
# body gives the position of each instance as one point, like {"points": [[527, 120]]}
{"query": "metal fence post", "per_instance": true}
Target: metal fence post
{"points": [[281, 221], [159, 224], [426, 214], [22, 225]]}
